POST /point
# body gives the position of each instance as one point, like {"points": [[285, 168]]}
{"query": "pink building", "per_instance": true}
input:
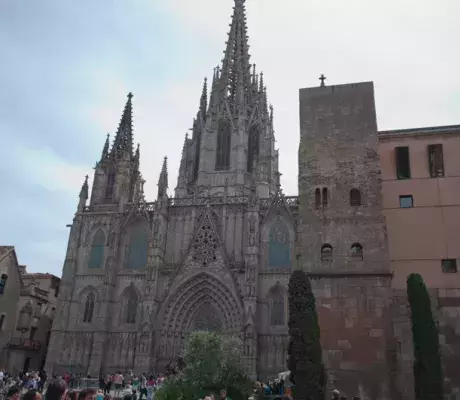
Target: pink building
{"points": [[421, 200]]}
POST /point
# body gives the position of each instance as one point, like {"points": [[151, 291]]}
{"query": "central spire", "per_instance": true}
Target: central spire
{"points": [[235, 72], [124, 137]]}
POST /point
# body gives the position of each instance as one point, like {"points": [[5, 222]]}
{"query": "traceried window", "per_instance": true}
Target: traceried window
{"points": [[357, 251], [253, 146], [136, 251], [326, 252], [96, 255], [224, 132], [436, 160], [109, 188], [355, 197], [207, 319], [279, 246], [89, 307], [131, 307], [277, 316]]}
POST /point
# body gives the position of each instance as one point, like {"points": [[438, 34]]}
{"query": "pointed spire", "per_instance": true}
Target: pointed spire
{"points": [[84, 189], [105, 150], [124, 137], [163, 180], [204, 97], [235, 77], [137, 156]]}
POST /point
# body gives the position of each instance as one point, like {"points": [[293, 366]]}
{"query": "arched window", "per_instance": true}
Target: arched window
{"points": [[224, 132], [131, 307], [136, 251], [324, 198], [317, 197], [279, 246], [355, 197], [89, 307], [277, 309], [253, 146], [110, 185], [326, 252], [3, 280], [25, 316], [96, 255], [357, 251]]}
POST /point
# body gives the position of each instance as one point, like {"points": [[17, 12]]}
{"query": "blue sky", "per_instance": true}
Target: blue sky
{"points": [[66, 67]]}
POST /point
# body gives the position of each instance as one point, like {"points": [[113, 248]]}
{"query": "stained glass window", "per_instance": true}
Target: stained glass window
{"points": [[279, 246], [89, 308], [136, 251], [96, 255]]}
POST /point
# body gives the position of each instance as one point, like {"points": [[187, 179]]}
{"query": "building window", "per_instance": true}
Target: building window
{"points": [[277, 309], [2, 321], [253, 147], [406, 201], [3, 280], [279, 246], [89, 308], [402, 162], [131, 307], [224, 131], [436, 160], [355, 197], [136, 252], [96, 255], [317, 198], [110, 185], [324, 197], [326, 252], [449, 266], [357, 251]]}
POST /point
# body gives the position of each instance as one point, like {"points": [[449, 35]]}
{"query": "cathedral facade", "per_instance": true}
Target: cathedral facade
{"points": [[139, 276]]}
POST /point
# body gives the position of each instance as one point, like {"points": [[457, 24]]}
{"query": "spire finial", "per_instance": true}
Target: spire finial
{"points": [[130, 95], [163, 180], [105, 149], [204, 97], [124, 138], [84, 189]]}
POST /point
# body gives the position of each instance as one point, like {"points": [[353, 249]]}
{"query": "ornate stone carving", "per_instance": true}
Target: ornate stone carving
{"points": [[205, 244]]}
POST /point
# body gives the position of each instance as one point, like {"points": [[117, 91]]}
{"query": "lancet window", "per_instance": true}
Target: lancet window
{"points": [[253, 147], [89, 308], [279, 246], [277, 315], [136, 251], [224, 132], [96, 255]]}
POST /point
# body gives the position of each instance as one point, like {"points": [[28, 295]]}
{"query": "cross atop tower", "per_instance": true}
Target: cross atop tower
{"points": [[130, 95], [322, 78]]}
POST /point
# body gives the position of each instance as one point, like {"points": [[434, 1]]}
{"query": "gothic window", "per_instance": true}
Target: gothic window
{"points": [[357, 251], [355, 197], [110, 185], [279, 246], [326, 252], [324, 197], [196, 165], [131, 307], [317, 197], [89, 308], [136, 251], [277, 309], [253, 146], [206, 319], [96, 255], [25, 316], [224, 132], [205, 244]]}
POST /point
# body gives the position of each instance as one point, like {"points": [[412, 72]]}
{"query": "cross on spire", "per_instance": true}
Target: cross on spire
{"points": [[130, 95], [322, 78]]}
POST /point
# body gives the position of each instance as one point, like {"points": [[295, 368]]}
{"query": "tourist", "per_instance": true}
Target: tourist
{"points": [[87, 394], [143, 387], [223, 395], [57, 390], [14, 393], [32, 394], [335, 394]]}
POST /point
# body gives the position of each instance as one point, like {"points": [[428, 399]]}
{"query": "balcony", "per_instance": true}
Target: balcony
{"points": [[25, 344]]}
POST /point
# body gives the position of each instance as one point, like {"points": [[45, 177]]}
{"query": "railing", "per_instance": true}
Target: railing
{"points": [[25, 344]]}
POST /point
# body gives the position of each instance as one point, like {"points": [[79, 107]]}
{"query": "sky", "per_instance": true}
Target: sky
{"points": [[66, 67]]}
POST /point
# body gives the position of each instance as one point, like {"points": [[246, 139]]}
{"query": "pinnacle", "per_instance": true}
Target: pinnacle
{"points": [[124, 136]]}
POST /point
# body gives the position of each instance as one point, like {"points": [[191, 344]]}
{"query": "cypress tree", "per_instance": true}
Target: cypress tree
{"points": [[428, 378], [304, 353]]}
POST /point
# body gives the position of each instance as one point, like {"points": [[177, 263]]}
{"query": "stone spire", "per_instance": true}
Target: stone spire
{"points": [[84, 189], [181, 188], [124, 138], [235, 77], [204, 98], [163, 180], [137, 156], [105, 150]]}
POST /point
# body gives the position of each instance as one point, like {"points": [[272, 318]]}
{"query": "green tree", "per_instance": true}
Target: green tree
{"points": [[304, 353], [212, 362], [428, 377]]}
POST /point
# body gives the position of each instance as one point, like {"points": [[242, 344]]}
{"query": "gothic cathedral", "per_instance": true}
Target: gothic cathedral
{"points": [[139, 276]]}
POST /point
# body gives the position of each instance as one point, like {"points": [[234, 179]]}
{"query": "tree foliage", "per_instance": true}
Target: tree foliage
{"points": [[304, 352], [428, 377], [211, 362]]}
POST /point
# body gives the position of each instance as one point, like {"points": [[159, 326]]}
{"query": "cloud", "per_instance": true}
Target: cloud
{"points": [[69, 67]]}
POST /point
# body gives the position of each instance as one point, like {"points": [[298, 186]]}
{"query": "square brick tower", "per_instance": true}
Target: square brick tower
{"points": [[342, 236]]}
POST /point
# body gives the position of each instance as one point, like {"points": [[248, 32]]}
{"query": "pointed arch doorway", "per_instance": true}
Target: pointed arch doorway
{"points": [[206, 318]]}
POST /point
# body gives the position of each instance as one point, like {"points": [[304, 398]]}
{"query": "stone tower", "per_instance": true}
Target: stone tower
{"points": [[342, 234]]}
